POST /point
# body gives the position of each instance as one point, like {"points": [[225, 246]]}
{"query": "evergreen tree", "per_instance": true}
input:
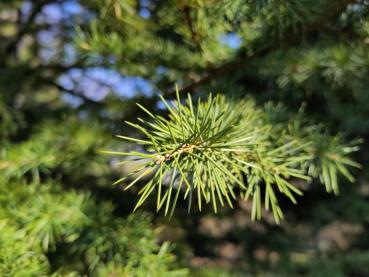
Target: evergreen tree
{"points": [[233, 109]]}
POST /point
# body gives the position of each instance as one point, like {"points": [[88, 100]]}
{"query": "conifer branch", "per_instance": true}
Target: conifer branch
{"points": [[215, 149], [243, 58]]}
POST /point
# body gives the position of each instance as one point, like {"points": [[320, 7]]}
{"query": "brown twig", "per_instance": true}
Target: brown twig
{"points": [[194, 34]]}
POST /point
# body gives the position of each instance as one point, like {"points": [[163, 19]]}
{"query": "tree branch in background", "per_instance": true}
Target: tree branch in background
{"points": [[243, 59], [69, 91], [23, 29], [194, 35]]}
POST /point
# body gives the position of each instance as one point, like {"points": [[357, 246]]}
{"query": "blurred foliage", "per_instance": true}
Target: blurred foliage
{"points": [[37, 219], [295, 71]]}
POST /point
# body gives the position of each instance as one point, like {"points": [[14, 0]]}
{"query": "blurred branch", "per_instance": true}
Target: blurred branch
{"points": [[69, 91], [60, 68], [37, 7], [194, 35], [243, 58]]}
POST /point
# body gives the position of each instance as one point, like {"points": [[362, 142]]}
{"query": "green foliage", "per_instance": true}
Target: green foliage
{"points": [[220, 147], [45, 225], [16, 257], [37, 219], [153, 264], [335, 73], [41, 153], [295, 80]]}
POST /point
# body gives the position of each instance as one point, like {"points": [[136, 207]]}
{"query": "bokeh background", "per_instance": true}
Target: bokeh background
{"points": [[70, 75]]}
